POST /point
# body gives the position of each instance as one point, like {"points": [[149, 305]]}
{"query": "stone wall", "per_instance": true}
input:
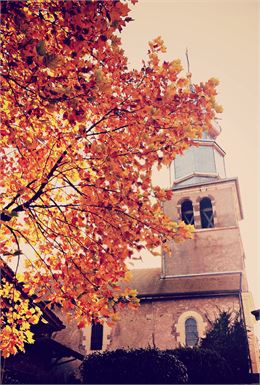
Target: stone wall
{"points": [[161, 323], [223, 194], [73, 338], [212, 249], [250, 321]]}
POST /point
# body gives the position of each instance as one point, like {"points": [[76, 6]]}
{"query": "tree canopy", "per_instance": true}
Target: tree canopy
{"points": [[80, 133]]}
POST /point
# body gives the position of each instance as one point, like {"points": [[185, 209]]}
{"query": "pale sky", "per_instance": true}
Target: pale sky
{"points": [[222, 40]]}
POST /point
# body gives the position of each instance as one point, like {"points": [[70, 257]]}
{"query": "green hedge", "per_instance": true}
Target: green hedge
{"points": [[140, 366], [228, 337], [204, 366]]}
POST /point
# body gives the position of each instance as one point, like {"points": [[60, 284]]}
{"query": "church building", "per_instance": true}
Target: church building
{"points": [[200, 277]]}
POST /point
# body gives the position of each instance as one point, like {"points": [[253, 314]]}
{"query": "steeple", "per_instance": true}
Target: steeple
{"points": [[206, 198], [203, 162]]}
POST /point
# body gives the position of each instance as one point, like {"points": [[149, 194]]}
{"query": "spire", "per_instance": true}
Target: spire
{"points": [[201, 163]]}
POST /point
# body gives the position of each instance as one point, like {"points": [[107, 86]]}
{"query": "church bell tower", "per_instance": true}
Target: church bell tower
{"points": [[206, 198]]}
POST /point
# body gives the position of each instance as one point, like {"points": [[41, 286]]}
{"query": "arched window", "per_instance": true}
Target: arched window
{"points": [[187, 212], [206, 213], [96, 342], [191, 332]]}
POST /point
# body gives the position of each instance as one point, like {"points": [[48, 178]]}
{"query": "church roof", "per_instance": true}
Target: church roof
{"points": [[148, 282]]}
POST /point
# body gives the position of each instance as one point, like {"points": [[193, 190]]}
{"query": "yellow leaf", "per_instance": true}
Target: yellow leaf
{"points": [[133, 293], [20, 277], [29, 336]]}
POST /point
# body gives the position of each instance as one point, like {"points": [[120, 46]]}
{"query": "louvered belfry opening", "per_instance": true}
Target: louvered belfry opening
{"points": [[187, 214], [206, 213]]}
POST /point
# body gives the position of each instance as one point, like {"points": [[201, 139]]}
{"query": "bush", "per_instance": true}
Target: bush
{"points": [[140, 366], [204, 366], [228, 338]]}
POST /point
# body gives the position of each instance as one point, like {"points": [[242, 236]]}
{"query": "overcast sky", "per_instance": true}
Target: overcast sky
{"points": [[221, 37]]}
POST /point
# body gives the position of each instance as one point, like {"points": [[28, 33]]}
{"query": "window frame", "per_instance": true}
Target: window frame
{"points": [[180, 325]]}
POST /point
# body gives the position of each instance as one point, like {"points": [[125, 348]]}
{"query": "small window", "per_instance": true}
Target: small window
{"points": [[191, 332], [206, 213], [96, 342], [187, 212]]}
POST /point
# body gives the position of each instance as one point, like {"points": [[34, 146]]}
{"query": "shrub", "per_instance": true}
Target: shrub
{"points": [[228, 337], [204, 366], [140, 366]]}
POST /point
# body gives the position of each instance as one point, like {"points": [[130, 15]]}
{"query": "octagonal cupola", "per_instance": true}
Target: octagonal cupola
{"points": [[202, 162]]}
